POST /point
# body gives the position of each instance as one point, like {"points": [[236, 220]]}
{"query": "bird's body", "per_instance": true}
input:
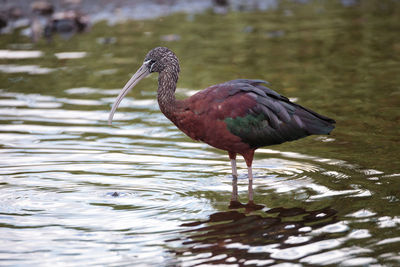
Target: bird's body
{"points": [[238, 116], [242, 115]]}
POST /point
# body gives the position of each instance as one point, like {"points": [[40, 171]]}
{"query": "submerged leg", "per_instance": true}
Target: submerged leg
{"points": [[232, 156], [250, 190], [234, 196], [249, 160], [234, 203]]}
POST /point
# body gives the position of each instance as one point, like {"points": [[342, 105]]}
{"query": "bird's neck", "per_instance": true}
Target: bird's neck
{"points": [[167, 81]]}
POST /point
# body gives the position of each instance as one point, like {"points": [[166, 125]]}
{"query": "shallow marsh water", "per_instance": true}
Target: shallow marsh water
{"points": [[75, 191]]}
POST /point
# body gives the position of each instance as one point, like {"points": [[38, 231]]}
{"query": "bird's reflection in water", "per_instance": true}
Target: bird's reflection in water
{"points": [[247, 234]]}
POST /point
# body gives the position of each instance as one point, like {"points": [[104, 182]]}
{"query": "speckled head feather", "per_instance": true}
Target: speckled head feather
{"points": [[161, 58]]}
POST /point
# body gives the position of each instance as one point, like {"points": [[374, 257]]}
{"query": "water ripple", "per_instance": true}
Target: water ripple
{"points": [[72, 186]]}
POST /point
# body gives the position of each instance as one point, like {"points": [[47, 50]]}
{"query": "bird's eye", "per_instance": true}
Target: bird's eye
{"points": [[149, 61], [151, 64]]}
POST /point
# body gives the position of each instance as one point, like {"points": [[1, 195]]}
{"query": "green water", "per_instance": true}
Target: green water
{"points": [[60, 162]]}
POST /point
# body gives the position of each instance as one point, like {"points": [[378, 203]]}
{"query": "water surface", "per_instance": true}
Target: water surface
{"points": [[141, 192]]}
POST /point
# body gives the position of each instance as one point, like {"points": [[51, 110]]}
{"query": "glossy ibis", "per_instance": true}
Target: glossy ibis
{"points": [[237, 116]]}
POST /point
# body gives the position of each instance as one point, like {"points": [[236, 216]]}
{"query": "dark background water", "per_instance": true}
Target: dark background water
{"points": [[322, 200]]}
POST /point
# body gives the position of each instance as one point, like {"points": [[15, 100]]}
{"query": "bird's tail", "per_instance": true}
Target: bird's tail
{"points": [[315, 123]]}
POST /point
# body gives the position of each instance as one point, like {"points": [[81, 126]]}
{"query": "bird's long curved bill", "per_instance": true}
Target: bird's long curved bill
{"points": [[141, 73]]}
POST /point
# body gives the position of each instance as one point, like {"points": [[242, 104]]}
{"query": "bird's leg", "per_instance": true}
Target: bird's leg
{"points": [[232, 156], [250, 190], [249, 160], [234, 196], [235, 204]]}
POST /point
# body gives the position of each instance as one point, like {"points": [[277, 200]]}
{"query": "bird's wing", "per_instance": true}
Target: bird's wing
{"points": [[269, 118]]}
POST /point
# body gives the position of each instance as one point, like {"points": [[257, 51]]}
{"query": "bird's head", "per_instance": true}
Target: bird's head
{"points": [[158, 60]]}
